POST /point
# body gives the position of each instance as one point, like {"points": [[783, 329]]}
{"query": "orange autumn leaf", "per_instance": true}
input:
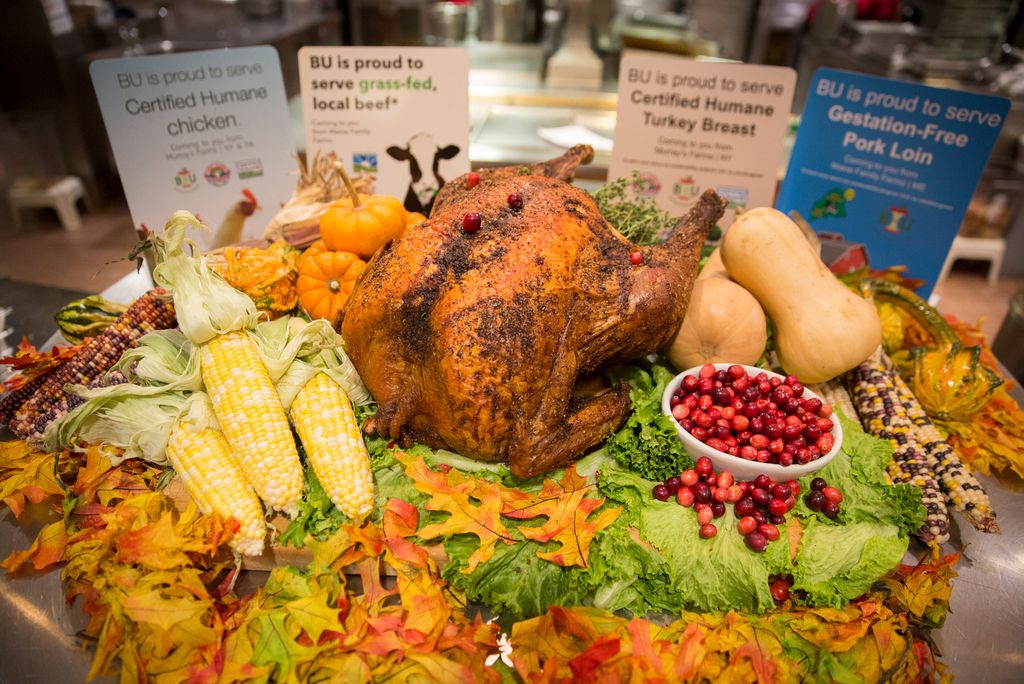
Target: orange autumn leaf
{"points": [[46, 550], [453, 493], [567, 507], [27, 475]]}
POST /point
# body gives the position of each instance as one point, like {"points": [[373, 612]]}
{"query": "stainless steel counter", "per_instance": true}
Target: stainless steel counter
{"points": [[982, 640]]}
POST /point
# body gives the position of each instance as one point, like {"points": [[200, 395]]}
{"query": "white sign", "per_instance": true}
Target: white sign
{"points": [[397, 115], [203, 131], [687, 126]]}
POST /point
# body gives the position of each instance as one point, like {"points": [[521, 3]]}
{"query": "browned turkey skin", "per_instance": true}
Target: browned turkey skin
{"points": [[474, 341]]}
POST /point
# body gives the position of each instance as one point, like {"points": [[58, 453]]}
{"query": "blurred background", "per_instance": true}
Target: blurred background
{"points": [[535, 64]]}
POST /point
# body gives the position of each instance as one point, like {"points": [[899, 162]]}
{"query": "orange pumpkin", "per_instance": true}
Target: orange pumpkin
{"points": [[414, 218], [326, 279]]}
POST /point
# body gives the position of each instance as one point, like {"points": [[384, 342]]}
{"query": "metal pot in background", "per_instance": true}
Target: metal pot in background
{"points": [[507, 21]]}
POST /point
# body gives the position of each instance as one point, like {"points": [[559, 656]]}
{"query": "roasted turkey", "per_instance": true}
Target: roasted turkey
{"points": [[473, 341]]}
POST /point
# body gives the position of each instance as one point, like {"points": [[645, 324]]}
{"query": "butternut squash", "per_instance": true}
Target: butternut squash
{"points": [[723, 324], [822, 329], [713, 267]]}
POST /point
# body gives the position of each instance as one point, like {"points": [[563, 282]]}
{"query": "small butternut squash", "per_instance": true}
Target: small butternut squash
{"points": [[723, 324], [822, 329]]}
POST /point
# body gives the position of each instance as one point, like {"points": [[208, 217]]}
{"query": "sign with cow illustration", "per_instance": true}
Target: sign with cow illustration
{"points": [[396, 117]]}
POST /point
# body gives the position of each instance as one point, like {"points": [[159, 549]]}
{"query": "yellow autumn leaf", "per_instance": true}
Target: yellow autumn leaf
{"points": [[158, 608]]}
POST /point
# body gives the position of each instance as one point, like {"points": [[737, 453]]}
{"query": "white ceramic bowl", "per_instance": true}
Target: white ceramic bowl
{"points": [[741, 468]]}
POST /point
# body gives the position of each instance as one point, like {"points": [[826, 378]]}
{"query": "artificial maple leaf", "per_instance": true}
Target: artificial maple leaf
{"points": [[566, 505], [276, 646], [453, 493], [158, 608], [47, 549], [314, 615]]}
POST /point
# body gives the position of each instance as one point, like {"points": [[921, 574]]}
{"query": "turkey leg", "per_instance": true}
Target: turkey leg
{"points": [[565, 426]]}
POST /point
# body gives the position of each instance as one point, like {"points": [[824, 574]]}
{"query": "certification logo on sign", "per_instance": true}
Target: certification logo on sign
{"points": [[396, 117], [203, 131], [889, 166], [687, 126]]}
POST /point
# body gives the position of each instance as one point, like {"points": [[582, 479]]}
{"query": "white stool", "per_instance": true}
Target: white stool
{"points": [[987, 249], [61, 195]]}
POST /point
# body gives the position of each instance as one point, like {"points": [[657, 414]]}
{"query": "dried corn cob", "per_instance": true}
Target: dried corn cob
{"points": [[13, 400], [213, 478], [882, 414], [834, 393], [962, 490], [149, 312], [327, 426], [253, 420]]}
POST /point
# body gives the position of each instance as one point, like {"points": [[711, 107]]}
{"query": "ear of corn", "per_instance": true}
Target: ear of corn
{"points": [[884, 417], [203, 460], [963, 491], [326, 423], [252, 418], [922, 456], [149, 312]]}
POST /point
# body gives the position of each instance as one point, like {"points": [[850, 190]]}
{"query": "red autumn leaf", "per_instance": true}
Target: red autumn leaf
{"points": [[584, 666], [453, 493], [567, 507], [32, 363]]}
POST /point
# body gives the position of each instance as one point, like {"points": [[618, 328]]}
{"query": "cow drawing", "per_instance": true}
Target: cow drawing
{"points": [[420, 151]]}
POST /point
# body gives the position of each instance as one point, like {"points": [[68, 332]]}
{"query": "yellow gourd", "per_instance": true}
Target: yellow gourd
{"points": [[822, 329], [723, 324]]}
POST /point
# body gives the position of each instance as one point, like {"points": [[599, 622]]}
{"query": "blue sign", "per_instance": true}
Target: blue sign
{"points": [[890, 165]]}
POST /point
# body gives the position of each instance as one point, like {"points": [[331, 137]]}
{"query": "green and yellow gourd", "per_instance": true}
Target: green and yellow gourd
{"points": [[87, 317]]}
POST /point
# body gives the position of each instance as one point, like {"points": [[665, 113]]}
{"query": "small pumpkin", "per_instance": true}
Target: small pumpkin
{"points": [[414, 218], [362, 223], [326, 279], [723, 324]]}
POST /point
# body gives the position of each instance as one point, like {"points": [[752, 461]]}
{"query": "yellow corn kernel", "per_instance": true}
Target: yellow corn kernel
{"points": [[212, 477], [253, 420], [326, 423]]}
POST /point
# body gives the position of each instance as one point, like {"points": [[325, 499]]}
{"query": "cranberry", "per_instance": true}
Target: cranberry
{"points": [[798, 390], [688, 477], [515, 203], [680, 411], [826, 411], [705, 385], [751, 412], [708, 531], [803, 456], [718, 509], [684, 497], [471, 222], [739, 423], [790, 502], [707, 371], [785, 458], [759, 441], [824, 424], [833, 494], [768, 530], [728, 412], [812, 405], [686, 424], [725, 479], [780, 590], [736, 372], [660, 492], [775, 446], [722, 376], [745, 506], [720, 494], [815, 500], [777, 507], [704, 516], [760, 496], [764, 388], [735, 493], [733, 450], [673, 483], [791, 432], [748, 453], [701, 492], [818, 483], [699, 433], [776, 519], [781, 491], [702, 419], [636, 258], [749, 394], [760, 517], [690, 383], [704, 466], [472, 179], [825, 443], [721, 396], [691, 401], [715, 443], [830, 509], [762, 481], [723, 433], [674, 400], [744, 437], [772, 431], [756, 542], [794, 487], [763, 456], [746, 525]]}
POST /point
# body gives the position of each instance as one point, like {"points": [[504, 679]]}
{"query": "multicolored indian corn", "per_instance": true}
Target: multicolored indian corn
{"points": [[152, 311]]}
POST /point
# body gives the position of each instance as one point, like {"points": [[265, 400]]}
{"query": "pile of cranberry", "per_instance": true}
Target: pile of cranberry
{"points": [[824, 498], [760, 505], [758, 418]]}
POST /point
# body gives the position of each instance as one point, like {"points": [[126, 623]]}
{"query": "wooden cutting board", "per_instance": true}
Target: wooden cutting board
{"points": [[276, 555]]}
